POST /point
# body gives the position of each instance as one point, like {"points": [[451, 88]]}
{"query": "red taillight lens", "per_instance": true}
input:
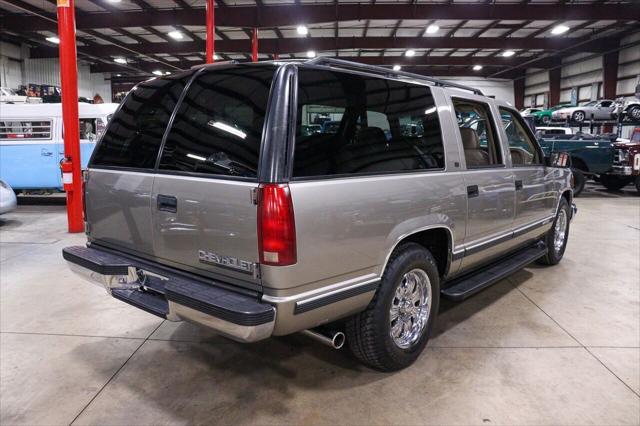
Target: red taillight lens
{"points": [[276, 226]]}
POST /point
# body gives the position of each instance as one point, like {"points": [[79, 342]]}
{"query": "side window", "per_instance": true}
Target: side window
{"points": [[479, 140], [135, 132], [605, 104], [350, 124], [89, 129], [25, 129], [521, 146], [218, 127]]}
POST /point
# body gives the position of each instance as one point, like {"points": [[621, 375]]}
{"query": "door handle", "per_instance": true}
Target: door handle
{"points": [[167, 203], [45, 153], [472, 191], [518, 185]]}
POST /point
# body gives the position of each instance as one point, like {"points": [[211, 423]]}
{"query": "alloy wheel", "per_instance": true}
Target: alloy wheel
{"points": [[410, 308]]}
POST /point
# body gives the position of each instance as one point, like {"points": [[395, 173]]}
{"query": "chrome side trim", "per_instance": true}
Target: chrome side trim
{"points": [[323, 291], [334, 296]]}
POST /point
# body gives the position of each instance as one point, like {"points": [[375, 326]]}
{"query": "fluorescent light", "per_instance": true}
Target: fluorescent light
{"points": [[560, 29], [176, 35], [167, 73], [311, 54], [410, 53], [216, 56], [196, 157], [114, 1], [120, 60], [508, 53], [118, 75], [302, 30], [477, 67], [157, 72], [430, 110], [226, 128], [397, 67], [53, 39], [432, 29]]}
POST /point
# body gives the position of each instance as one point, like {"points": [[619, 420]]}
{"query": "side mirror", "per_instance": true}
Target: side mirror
{"points": [[558, 159]]}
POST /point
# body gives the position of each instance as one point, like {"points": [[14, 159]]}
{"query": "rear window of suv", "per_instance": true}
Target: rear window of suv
{"points": [[218, 127], [351, 124], [134, 135]]}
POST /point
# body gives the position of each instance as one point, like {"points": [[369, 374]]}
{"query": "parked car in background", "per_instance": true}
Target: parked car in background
{"points": [[31, 144], [8, 201], [626, 164], [544, 116], [591, 156], [8, 95], [543, 132], [597, 110], [629, 109], [529, 111], [197, 210]]}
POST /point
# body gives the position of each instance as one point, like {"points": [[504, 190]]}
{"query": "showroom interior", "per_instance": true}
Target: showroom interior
{"points": [[532, 344]]}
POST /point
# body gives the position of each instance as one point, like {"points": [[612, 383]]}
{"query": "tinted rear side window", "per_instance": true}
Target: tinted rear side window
{"points": [[218, 127], [135, 132], [350, 124]]}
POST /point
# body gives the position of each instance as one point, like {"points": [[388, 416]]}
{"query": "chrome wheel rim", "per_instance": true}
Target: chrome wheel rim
{"points": [[560, 231], [635, 113], [410, 308], [579, 116]]}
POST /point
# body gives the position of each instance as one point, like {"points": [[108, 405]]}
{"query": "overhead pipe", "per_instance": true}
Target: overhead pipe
{"points": [[70, 165], [211, 31]]}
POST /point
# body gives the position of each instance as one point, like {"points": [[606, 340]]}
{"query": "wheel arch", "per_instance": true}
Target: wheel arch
{"points": [[438, 239], [578, 163]]}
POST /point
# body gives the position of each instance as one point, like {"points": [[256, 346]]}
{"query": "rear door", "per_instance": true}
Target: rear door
{"points": [[204, 217], [121, 171]]}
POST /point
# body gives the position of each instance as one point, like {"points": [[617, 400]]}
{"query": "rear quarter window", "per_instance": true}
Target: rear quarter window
{"points": [[135, 132], [364, 125]]}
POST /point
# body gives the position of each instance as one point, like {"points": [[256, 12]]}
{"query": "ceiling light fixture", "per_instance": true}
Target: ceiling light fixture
{"points": [[118, 75], [53, 39], [302, 30], [176, 35], [157, 72], [559, 29], [432, 29], [410, 53], [311, 54], [397, 67], [477, 67], [508, 53], [114, 1], [120, 60]]}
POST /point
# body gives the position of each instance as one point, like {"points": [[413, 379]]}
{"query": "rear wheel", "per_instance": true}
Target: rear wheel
{"points": [[637, 183], [579, 181], [614, 183], [394, 329], [633, 112], [578, 116], [546, 120], [556, 238]]}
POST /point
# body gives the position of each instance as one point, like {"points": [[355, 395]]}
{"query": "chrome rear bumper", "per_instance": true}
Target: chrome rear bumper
{"points": [[238, 316]]}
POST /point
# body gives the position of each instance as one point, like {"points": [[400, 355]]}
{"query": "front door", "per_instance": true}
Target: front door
{"points": [[490, 184]]}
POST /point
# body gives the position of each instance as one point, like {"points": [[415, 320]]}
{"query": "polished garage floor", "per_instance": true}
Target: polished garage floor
{"points": [[549, 346]]}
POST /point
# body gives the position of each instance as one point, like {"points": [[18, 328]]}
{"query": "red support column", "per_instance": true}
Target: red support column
{"points": [[72, 174], [211, 28], [554, 86], [254, 46], [518, 92], [609, 80]]}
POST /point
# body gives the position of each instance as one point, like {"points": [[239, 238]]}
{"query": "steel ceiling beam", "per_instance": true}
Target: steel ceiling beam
{"points": [[289, 15], [298, 45]]}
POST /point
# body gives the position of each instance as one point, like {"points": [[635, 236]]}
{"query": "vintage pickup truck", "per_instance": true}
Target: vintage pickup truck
{"points": [[591, 156]]}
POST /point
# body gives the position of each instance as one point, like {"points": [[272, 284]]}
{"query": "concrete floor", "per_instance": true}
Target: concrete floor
{"points": [[553, 346]]}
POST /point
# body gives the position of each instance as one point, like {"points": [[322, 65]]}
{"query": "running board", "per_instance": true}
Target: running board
{"points": [[468, 285]]}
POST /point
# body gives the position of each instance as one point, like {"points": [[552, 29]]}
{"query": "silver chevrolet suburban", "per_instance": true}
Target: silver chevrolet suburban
{"points": [[326, 197]]}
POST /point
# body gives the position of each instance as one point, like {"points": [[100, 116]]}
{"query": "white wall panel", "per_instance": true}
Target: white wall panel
{"points": [[500, 89], [47, 71]]}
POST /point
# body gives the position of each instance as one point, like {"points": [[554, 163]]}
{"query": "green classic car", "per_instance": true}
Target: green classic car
{"points": [[544, 116]]}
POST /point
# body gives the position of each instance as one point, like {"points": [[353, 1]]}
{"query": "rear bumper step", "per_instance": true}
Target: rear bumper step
{"points": [[468, 285], [237, 316]]}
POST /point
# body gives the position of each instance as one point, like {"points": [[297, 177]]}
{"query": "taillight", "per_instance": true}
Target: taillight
{"points": [[276, 225]]}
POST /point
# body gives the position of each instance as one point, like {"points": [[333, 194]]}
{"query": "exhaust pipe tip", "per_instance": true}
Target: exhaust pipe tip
{"points": [[338, 340]]}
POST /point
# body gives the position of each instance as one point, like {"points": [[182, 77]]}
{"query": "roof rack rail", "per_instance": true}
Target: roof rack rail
{"points": [[340, 63]]}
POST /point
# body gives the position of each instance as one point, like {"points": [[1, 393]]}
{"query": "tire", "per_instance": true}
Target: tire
{"points": [[546, 120], [369, 332], [637, 184], [579, 181], [578, 116], [614, 183], [633, 113], [556, 247]]}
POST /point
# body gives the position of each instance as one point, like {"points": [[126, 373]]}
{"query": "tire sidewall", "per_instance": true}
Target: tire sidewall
{"points": [[412, 257], [580, 181], [554, 256]]}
